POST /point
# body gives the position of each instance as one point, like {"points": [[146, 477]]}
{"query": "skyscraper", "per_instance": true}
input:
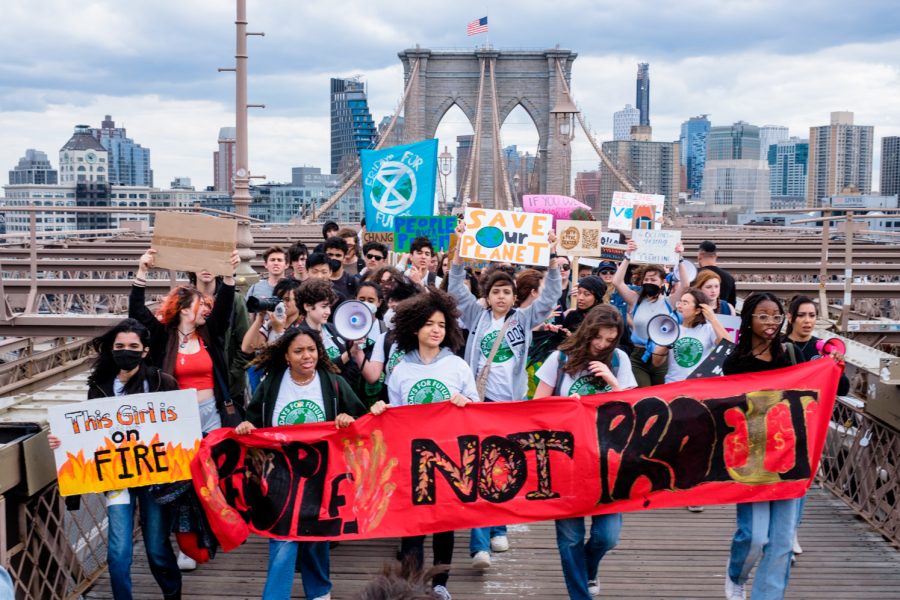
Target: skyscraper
{"points": [[33, 168], [788, 164], [693, 151], [623, 120], [840, 157], [396, 137], [890, 166], [642, 99], [733, 142], [768, 135], [352, 126], [83, 161], [587, 188], [651, 167], [129, 163], [223, 161]]}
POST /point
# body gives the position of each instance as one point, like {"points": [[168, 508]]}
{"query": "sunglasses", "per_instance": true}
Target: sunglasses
{"points": [[564, 267], [374, 257], [607, 272]]}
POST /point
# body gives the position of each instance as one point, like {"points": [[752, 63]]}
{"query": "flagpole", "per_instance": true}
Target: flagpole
{"points": [[487, 34]]}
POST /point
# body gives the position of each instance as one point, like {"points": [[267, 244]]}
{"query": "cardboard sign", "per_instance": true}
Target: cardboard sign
{"points": [[382, 237], [642, 216], [655, 246], [621, 211], [194, 243], [125, 441], [578, 238], [506, 236], [419, 469], [437, 229], [560, 207], [454, 247]]}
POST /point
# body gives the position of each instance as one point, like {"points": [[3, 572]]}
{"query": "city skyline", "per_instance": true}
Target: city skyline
{"points": [[157, 75]]}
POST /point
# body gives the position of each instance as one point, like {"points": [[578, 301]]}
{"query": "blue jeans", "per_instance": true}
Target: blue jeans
{"points": [[315, 564], [480, 539], [765, 534], [581, 559], [156, 526]]}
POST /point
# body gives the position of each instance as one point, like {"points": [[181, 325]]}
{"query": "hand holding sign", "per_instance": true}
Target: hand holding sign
{"points": [[188, 242]]}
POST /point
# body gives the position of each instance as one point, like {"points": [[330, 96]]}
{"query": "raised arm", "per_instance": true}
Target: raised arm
{"points": [[683, 283], [628, 294], [137, 299]]}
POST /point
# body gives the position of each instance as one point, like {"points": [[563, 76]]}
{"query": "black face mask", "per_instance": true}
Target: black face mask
{"points": [[651, 289], [126, 360]]}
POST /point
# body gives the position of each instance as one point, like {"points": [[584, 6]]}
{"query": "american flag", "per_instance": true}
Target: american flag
{"points": [[477, 26]]}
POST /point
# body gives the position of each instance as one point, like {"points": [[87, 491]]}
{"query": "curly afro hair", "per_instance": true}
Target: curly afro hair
{"points": [[412, 314]]}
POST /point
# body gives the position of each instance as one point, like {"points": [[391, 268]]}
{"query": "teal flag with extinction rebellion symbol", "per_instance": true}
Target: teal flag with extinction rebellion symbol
{"points": [[398, 182]]}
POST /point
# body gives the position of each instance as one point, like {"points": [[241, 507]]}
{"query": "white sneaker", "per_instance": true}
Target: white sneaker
{"points": [[797, 549], [695, 509], [185, 562], [734, 591], [500, 543], [442, 592], [481, 560], [325, 597], [593, 587]]}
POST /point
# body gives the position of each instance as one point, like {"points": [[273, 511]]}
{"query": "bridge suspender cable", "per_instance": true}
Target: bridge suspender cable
{"points": [[413, 75], [603, 157], [467, 194], [498, 145]]}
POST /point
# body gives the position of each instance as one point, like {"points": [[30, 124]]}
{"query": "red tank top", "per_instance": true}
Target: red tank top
{"points": [[194, 370]]}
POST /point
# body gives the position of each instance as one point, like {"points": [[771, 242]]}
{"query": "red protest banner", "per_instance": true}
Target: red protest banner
{"points": [[421, 469]]}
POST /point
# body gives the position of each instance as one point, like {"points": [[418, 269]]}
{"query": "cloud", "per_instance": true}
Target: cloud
{"points": [[152, 64]]}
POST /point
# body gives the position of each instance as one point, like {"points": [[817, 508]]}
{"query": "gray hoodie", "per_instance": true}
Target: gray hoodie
{"points": [[477, 320]]}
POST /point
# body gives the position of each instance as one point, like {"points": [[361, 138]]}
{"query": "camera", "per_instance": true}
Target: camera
{"points": [[255, 304]]}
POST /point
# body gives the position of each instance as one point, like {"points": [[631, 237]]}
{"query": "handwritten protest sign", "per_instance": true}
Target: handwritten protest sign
{"points": [[610, 237], [125, 441], [731, 324], [578, 238], [506, 236], [643, 216], [382, 237], [560, 207], [437, 229], [621, 211], [188, 242], [655, 246]]}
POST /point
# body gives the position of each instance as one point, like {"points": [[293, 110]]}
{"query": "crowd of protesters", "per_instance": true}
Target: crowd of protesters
{"points": [[272, 357]]}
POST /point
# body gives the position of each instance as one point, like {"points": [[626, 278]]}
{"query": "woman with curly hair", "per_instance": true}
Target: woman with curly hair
{"points": [[588, 362], [427, 331], [300, 385]]}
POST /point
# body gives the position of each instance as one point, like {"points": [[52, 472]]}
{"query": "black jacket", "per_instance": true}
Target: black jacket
{"points": [[157, 381], [337, 396]]}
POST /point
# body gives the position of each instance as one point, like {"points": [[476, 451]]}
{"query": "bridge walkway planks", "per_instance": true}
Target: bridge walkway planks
{"points": [[666, 554]]}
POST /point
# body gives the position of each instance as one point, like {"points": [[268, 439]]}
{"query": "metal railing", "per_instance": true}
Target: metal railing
{"points": [[861, 465]]}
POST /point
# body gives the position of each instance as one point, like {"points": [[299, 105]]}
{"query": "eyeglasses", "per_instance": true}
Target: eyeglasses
{"points": [[374, 257], [564, 267], [765, 319]]}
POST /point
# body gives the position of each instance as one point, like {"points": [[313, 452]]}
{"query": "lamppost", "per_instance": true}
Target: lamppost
{"points": [[445, 165], [516, 183], [564, 112]]}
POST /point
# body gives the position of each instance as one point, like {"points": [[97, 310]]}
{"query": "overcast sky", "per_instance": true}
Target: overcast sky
{"points": [[151, 64]]}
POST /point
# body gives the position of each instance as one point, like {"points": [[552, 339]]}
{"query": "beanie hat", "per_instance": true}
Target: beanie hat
{"points": [[594, 285]]}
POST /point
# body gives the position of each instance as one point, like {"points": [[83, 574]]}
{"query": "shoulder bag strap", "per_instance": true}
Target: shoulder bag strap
{"points": [[481, 382]]}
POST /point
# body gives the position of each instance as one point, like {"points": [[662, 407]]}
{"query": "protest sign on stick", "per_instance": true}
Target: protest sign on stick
{"points": [[578, 238], [655, 246], [506, 236], [621, 210], [194, 243], [125, 441]]}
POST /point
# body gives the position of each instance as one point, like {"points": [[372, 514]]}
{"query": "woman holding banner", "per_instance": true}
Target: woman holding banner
{"points": [[301, 385], [765, 530], [497, 349], [645, 304], [588, 362], [119, 370], [427, 332]]}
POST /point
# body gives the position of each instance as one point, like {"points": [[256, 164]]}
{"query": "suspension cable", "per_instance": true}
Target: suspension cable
{"points": [[498, 145], [476, 143]]}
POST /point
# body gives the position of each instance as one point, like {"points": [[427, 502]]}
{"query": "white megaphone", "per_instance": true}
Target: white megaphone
{"points": [[663, 330], [691, 271], [353, 320]]}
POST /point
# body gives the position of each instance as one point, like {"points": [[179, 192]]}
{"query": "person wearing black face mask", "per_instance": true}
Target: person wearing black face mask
{"points": [[120, 370], [645, 304]]}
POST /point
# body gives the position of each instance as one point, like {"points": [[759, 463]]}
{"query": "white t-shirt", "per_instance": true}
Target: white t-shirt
{"points": [[499, 384], [298, 404], [413, 383], [394, 355], [584, 383], [691, 348], [331, 348]]}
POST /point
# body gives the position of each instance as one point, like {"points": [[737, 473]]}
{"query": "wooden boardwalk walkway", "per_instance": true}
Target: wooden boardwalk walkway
{"points": [[671, 554]]}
